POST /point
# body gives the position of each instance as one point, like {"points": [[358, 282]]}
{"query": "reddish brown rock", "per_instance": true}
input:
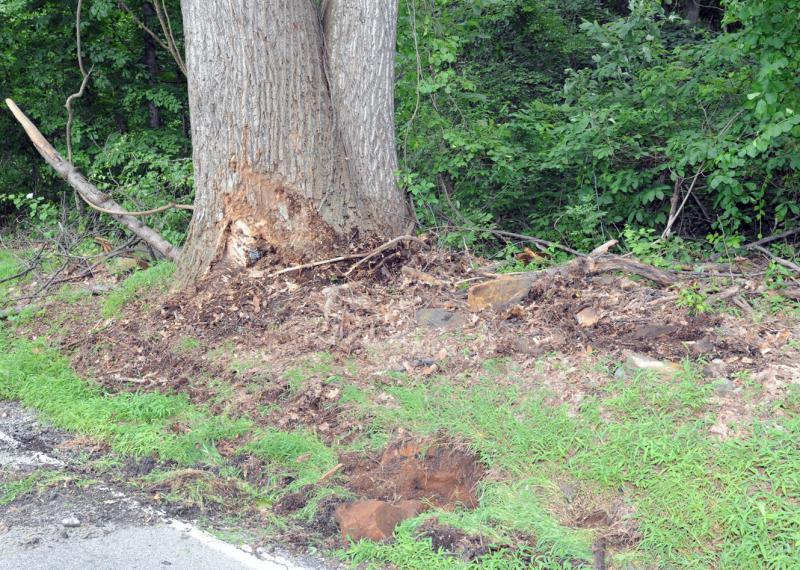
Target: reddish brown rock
{"points": [[499, 293], [372, 519]]}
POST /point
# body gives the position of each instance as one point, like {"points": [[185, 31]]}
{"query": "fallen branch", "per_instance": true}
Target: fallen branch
{"points": [[770, 239], [87, 190], [381, 249], [315, 264], [779, 260], [521, 237], [363, 257], [608, 263]]}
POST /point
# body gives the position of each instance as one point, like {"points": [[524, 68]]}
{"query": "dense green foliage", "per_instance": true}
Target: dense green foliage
{"points": [[114, 141], [570, 120], [574, 119]]}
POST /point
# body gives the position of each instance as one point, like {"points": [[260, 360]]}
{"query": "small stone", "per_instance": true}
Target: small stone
{"points": [[724, 387], [439, 319], [643, 362], [570, 492], [71, 522], [246, 548], [64, 534], [700, 347], [498, 293], [588, 317], [717, 368]]}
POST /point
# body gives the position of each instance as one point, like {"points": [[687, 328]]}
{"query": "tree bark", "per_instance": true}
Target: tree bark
{"points": [[292, 129], [693, 11], [151, 62]]}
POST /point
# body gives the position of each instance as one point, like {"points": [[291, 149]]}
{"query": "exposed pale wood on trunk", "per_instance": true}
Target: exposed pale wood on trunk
{"points": [[88, 190], [278, 164]]}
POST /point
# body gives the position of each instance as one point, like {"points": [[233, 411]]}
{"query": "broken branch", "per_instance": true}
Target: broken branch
{"points": [[381, 249], [521, 237], [779, 260], [89, 191]]}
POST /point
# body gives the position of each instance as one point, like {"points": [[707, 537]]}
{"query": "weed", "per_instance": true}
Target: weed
{"points": [[692, 299], [10, 491], [155, 278], [188, 344]]}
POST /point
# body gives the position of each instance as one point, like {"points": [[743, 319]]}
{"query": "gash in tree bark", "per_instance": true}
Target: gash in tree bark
{"points": [[292, 128]]}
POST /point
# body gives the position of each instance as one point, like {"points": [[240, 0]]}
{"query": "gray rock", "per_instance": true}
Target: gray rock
{"points": [[439, 319], [71, 522], [724, 387], [644, 362], [715, 369], [569, 491]]}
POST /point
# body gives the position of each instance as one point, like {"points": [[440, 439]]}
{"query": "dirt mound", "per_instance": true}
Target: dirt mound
{"points": [[467, 547], [410, 476], [623, 316], [438, 473]]}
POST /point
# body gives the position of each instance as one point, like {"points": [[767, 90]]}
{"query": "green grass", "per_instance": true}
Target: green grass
{"points": [[10, 491], [168, 427], [155, 278], [699, 502], [9, 265], [134, 424], [299, 451]]}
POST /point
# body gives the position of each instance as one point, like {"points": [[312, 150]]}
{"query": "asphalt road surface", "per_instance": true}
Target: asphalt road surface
{"points": [[96, 526]]}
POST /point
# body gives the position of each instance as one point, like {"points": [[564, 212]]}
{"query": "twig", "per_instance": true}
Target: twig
{"points": [[779, 260], [381, 249], [362, 256], [522, 237], [315, 264], [674, 217], [164, 208], [78, 94], [770, 239], [330, 473], [170, 45]]}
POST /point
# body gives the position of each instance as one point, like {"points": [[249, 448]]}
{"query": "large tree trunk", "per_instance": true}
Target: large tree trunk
{"points": [[151, 61], [293, 154]]}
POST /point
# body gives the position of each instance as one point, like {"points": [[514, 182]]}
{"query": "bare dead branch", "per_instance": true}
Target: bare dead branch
{"points": [[521, 237], [775, 237], [779, 260], [381, 249], [87, 190], [166, 26]]}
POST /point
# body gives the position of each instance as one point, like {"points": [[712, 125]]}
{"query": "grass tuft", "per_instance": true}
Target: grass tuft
{"points": [[155, 278]]}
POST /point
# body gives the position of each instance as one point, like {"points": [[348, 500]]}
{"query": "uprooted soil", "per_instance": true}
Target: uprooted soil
{"points": [[249, 331], [244, 315], [437, 473]]}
